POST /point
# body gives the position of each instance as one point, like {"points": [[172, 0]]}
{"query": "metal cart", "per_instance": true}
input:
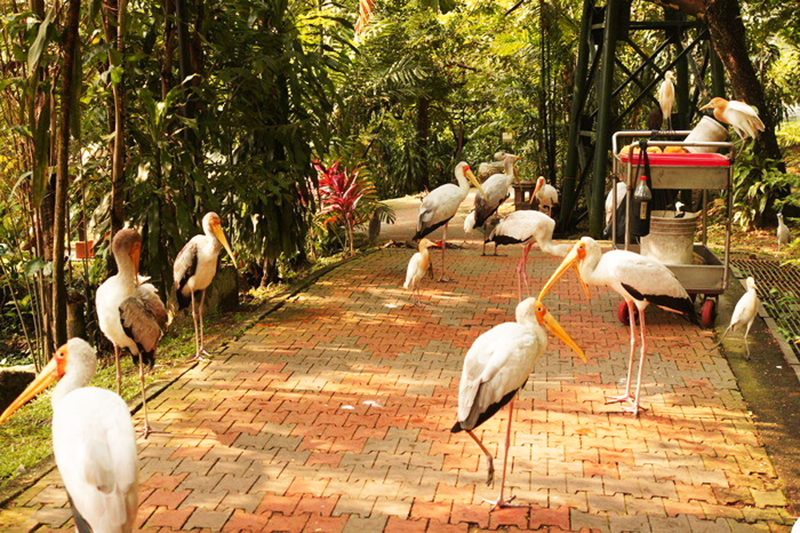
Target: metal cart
{"points": [[692, 171]]}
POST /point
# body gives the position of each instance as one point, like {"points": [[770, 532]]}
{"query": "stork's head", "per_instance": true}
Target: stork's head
{"points": [[532, 311], [213, 224], [424, 244], [127, 242], [751, 283], [679, 207], [539, 184], [716, 103], [669, 75], [573, 260], [75, 358], [462, 169]]}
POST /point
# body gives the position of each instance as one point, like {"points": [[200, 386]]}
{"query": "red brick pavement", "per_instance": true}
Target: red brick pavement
{"points": [[333, 414]]}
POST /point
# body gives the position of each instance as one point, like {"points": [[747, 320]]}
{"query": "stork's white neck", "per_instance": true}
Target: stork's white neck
{"points": [[125, 268], [463, 183], [508, 166], [75, 378], [587, 266], [212, 238]]}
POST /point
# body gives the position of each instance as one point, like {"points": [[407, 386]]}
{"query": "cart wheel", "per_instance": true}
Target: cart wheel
{"points": [[622, 312], [708, 313]]}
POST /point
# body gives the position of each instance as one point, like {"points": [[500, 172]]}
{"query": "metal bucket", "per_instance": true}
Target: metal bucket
{"points": [[671, 239], [707, 130]]}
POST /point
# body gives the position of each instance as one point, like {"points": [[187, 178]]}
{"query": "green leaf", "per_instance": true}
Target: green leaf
{"points": [[36, 49]]}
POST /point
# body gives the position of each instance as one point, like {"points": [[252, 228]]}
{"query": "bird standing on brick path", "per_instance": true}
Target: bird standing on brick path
{"points": [[546, 195], [93, 441], [784, 235], [496, 192], [194, 270], [496, 367], [666, 96], [417, 267], [743, 118], [129, 311], [744, 313], [442, 203], [528, 227], [640, 281]]}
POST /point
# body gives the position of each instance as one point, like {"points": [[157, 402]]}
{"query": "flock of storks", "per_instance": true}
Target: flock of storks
{"points": [[94, 442]]}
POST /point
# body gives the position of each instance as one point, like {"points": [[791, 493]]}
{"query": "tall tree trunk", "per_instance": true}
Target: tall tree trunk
{"points": [[62, 176], [167, 79]]}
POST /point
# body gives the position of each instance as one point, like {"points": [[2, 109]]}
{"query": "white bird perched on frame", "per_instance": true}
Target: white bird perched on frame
{"points": [[417, 267], [495, 191], [640, 281], [784, 235], [742, 117], [442, 203], [546, 195], [93, 441], [744, 313], [195, 268], [129, 311], [528, 227], [666, 96], [497, 366], [679, 213]]}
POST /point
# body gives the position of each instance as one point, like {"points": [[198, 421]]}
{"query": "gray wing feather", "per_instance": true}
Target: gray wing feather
{"points": [[185, 264], [144, 316]]}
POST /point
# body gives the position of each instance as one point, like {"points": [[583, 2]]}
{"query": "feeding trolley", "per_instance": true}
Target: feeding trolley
{"points": [[682, 171]]}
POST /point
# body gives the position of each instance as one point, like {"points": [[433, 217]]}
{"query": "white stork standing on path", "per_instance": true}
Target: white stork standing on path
{"points": [[93, 441], [666, 96], [496, 367], [546, 196], [194, 270], [442, 203], [495, 192], [640, 281], [417, 268], [129, 311], [743, 314], [529, 227], [784, 235], [743, 118]]}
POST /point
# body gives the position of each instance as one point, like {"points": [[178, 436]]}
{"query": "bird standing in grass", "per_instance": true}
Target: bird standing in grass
{"points": [[744, 313], [417, 267], [194, 270], [129, 311], [666, 97], [496, 367], [784, 235], [442, 204], [743, 118], [93, 441]]}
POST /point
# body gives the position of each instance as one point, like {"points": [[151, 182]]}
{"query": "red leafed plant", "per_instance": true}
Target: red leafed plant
{"points": [[340, 192]]}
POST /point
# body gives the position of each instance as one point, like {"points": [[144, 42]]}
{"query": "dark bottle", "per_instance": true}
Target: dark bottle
{"points": [[642, 204]]}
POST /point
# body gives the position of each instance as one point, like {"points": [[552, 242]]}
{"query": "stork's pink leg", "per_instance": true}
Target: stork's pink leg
{"points": [[443, 279], [489, 459], [632, 321], [525, 253], [119, 370], [635, 407], [501, 503]]}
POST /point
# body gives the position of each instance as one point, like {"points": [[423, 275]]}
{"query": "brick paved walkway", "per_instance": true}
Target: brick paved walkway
{"points": [[333, 414]]}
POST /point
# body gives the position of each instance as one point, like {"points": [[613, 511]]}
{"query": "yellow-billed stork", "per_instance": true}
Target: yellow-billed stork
{"points": [[666, 96], [194, 270], [744, 313], [546, 196], [417, 268], [93, 441], [640, 281], [529, 227], [495, 191], [497, 366], [129, 311], [442, 203], [742, 117]]}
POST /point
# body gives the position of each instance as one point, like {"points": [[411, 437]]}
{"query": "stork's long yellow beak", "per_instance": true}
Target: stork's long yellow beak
{"points": [[707, 106], [570, 261], [471, 177], [217, 229], [46, 377], [555, 328]]}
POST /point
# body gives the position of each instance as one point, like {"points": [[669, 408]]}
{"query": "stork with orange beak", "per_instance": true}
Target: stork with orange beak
{"points": [[496, 367], [129, 311], [93, 441], [743, 118], [194, 270], [546, 195], [442, 204], [640, 281]]}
